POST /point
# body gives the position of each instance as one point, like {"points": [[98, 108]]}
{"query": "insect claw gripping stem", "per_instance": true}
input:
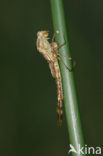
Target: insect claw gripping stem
{"points": [[70, 70]]}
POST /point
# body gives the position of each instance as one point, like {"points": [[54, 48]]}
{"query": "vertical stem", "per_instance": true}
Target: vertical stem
{"points": [[70, 97]]}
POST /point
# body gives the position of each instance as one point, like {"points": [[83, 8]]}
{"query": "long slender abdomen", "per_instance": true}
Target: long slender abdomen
{"points": [[59, 92]]}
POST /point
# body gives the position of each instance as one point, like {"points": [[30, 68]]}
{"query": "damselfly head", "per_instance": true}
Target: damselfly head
{"points": [[42, 33]]}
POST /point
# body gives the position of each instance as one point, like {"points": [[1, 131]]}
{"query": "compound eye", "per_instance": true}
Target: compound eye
{"points": [[46, 33]]}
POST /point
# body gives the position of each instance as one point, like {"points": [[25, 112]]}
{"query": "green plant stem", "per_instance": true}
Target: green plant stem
{"points": [[70, 97]]}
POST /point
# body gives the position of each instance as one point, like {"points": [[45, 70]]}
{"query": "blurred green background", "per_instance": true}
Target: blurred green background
{"points": [[28, 120]]}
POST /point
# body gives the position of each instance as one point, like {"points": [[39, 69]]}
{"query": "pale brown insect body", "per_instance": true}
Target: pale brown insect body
{"points": [[49, 51]]}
